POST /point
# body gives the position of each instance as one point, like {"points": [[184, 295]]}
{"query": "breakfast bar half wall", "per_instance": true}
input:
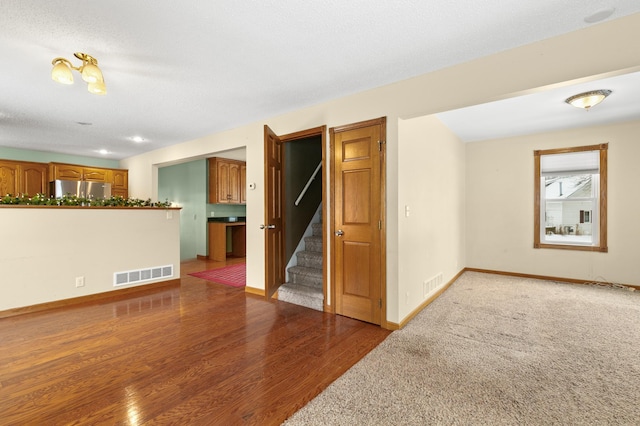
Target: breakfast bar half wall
{"points": [[54, 253]]}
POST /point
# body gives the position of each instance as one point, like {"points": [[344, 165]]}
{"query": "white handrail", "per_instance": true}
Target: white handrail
{"points": [[304, 190]]}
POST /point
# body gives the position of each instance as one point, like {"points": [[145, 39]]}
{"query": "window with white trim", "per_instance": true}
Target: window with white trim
{"points": [[571, 198]]}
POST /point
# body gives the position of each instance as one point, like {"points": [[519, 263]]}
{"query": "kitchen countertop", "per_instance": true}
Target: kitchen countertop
{"points": [[230, 219]]}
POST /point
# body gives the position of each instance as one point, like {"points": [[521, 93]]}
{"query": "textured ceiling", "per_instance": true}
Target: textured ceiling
{"points": [[179, 70]]}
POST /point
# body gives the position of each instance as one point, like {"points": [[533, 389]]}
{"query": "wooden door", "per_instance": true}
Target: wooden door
{"points": [[358, 213], [273, 225]]}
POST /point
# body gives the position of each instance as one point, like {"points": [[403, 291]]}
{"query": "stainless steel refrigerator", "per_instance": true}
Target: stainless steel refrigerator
{"points": [[81, 189]]}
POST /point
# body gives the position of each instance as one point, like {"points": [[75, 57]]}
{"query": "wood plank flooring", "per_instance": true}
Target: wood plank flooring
{"points": [[195, 354]]}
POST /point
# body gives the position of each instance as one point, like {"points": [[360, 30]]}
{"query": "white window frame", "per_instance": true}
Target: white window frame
{"points": [[598, 210]]}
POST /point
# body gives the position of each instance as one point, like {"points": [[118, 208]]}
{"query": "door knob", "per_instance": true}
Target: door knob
{"points": [[267, 227], [339, 233]]}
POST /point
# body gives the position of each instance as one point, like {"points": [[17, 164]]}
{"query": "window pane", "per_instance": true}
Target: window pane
{"points": [[578, 186], [565, 221]]}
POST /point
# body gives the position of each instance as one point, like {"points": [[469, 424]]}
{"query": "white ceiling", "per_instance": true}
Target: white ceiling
{"points": [[179, 70], [546, 111]]}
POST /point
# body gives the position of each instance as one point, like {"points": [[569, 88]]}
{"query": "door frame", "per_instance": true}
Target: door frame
{"points": [[382, 121], [302, 134]]}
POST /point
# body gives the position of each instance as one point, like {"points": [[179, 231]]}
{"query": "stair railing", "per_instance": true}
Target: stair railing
{"points": [[304, 190]]}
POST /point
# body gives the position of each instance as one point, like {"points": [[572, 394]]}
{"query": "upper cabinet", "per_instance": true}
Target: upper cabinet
{"points": [[29, 178], [76, 172], [34, 178], [22, 177], [118, 178], [92, 174], [243, 183], [65, 171], [9, 178], [226, 181], [120, 182]]}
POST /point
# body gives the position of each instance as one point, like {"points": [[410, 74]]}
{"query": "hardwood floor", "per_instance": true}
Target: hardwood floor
{"points": [[195, 354]]}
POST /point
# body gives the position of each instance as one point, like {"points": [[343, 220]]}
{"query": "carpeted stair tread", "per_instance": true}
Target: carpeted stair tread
{"points": [[302, 295], [311, 277], [310, 259], [301, 289], [313, 243]]}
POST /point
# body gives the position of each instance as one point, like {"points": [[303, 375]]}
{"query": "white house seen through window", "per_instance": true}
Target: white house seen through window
{"points": [[570, 198]]}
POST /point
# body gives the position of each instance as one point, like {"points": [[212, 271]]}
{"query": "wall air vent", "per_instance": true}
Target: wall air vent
{"points": [[141, 275]]}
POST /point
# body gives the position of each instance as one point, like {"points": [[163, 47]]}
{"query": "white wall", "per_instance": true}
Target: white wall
{"points": [[43, 250], [500, 206], [431, 184], [495, 77]]}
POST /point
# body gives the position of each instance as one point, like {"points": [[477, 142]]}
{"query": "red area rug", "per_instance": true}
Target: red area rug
{"points": [[234, 275]]}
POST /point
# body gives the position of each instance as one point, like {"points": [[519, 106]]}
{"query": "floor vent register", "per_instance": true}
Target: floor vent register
{"points": [[141, 275]]}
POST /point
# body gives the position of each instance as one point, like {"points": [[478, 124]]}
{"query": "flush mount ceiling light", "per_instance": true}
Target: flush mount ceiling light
{"points": [[588, 99], [89, 70]]}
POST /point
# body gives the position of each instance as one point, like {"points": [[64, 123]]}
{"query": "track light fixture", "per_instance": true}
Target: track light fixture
{"points": [[89, 70]]}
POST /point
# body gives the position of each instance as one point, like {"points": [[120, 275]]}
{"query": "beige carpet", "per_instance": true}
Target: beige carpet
{"points": [[496, 350]]}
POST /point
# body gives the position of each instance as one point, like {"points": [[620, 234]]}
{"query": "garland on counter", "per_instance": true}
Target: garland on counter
{"points": [[72, 200]]}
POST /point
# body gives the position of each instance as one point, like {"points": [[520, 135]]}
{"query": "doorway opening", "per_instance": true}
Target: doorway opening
{"points": [[294, 195]]}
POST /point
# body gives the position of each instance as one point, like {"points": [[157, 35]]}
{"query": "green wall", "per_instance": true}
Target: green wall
{"points": [[186, 185], [225, 210], [47, 157]]}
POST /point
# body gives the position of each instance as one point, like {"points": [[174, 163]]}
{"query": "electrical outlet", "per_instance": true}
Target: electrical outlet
{"points": [[79, 281]]}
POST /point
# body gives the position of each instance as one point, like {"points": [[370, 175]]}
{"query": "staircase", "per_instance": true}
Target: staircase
{"points": [[305, 280]]}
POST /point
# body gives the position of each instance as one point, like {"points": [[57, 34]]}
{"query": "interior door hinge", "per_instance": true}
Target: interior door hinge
{"points": [[380, 303], [380, 144], [379, 225]]}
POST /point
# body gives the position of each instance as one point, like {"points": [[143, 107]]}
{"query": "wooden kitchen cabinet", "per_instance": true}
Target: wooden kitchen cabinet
{"points": [[218, 240], [118, 178], [33, 178], [120, 183], [22, 177], [8, 178], [65, 171], [226, 181], [77, 172], [243, 184], [91, 174]]}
